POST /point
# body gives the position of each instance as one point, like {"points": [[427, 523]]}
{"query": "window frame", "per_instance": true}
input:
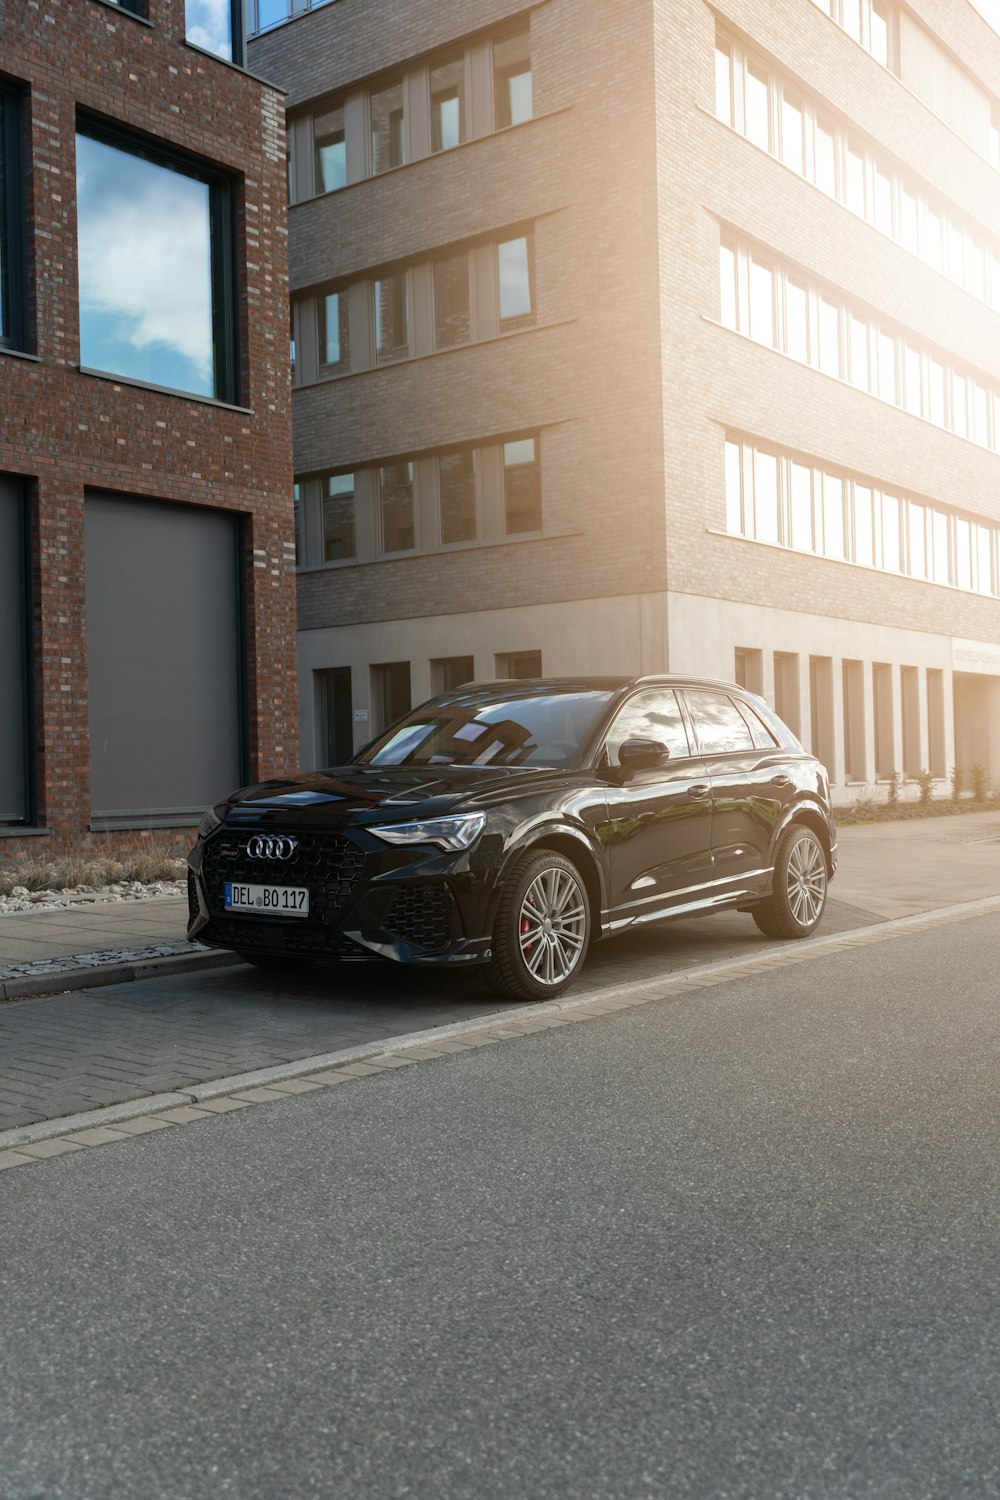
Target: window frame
{"points": [[237, 34], [226, 281], [13, 221]]}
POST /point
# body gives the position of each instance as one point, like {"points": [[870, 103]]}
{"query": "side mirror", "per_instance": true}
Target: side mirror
{"points": [[641, 755]]}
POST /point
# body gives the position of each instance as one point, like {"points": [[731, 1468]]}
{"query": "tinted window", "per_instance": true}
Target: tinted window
{"points": [[762, 737], [475, 730], [718, 723], [655, 715]]}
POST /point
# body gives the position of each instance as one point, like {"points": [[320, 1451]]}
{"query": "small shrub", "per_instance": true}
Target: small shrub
{"points": [[957, 782], [140, 864], [977, 780], [925, 782], [892, 794]]}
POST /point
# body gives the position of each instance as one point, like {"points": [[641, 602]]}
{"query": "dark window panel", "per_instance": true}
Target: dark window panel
{"points": [[522, 485], [335, 719], [395, 482], [331, 150], [387, 128], [512, 80], [333, 332], [392, 320], [338, 517], [452, 318], [448, 104], [457, 481]]}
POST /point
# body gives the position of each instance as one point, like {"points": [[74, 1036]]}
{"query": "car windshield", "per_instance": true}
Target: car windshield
{"points": [[546, 729]]}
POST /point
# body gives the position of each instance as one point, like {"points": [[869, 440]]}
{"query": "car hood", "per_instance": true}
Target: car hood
{"points": [[383, 794]]}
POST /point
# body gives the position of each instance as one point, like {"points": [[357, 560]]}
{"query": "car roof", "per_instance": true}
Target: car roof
{"points": [[585, 684]]}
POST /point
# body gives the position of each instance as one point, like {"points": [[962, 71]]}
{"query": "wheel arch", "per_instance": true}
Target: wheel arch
{"points": [[810, 817], [575, 848]]}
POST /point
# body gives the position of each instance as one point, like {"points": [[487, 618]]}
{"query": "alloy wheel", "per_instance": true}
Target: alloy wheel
{"points": [[552, 926], [806, 881]]}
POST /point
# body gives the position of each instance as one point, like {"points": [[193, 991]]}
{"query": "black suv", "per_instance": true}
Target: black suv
{"points": [[510, 823]]}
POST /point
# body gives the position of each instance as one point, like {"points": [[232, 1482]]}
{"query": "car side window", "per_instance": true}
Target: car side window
{"points": [[762, 737], [653, 715], [718, 723]]}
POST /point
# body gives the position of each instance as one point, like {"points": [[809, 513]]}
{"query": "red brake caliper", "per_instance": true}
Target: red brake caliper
{"points": [[525, 928]]}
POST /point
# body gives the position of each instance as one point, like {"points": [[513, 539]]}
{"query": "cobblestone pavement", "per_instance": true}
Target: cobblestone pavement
{"points": [[67, 1054], [54, 936]]}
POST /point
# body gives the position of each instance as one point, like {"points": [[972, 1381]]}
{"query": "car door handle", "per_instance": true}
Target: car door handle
{"points": [[700, 790], [781, 780]]}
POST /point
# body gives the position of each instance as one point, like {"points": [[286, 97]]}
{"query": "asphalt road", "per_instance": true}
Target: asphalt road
{"points": [[743, 1243]]}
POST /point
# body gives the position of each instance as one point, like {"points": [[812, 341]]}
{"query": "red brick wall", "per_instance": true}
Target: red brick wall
{"points": [[65, 431]]}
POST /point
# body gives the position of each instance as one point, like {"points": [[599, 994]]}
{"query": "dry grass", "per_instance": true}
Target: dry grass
{"points": [[141, 864]]}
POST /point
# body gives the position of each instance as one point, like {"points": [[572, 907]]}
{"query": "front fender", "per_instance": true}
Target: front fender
{"points": [[571, 839]]}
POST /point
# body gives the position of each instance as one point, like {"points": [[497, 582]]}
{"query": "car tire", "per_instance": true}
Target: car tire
{"points": [[798, 896], [274, 963], [542, 928]]}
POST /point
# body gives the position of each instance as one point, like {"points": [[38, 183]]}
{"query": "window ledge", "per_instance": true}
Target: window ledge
{"points": [[166, 390], [137, 823], [414, 359], [19, 831], [120, 10], [448, 551], [34, 359], [228, 63]]}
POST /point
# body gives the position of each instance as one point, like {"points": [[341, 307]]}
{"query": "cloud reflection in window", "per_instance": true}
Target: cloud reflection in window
{"points": [[209, 25]]}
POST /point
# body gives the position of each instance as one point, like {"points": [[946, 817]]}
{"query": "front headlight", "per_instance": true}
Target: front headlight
{"points": [[447, 833], [209, 823]]}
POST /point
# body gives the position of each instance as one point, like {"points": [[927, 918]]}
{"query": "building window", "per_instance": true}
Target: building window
{"points": [[390, 692], [882, 703], [263, 14], [519, 664], [449, 673], [512, 80], [333, 333], [12, 226], [821, 708], [514, 275], [448, 104], [15, 655], [330, 150], [338, 517], [297, 513], [388, 120], [522, 486], [855, 754], [134, 7], [216, 26], [334, 716], [396, 508], [748, 669], [457, 487], [786, 689], [935, 722], [392, 317], [452, 313], [166, 318]]}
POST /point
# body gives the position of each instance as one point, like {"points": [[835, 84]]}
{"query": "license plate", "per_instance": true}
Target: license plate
{"points": [[268, 900]]}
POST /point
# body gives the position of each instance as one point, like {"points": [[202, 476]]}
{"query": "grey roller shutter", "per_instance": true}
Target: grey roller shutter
{"points": [[14, 728], [164, 653]]}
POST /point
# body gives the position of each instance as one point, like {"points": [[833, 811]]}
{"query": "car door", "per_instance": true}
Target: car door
{"points": [[750, 786], [657, 834]]}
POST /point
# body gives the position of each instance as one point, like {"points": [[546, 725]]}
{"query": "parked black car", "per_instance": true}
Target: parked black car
{"points": [[510, 823]]}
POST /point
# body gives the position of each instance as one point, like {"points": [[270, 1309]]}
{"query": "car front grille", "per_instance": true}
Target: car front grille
{"points": [[193, 911], [284, 937], [329, 865], [422, 916]]}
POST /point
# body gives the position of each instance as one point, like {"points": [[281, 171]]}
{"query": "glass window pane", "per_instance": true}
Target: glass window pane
{"points": [[956, 255], [395, 484], [144, 313], [719, 724], [864, 530], [797, 321], [852, 19], [984, 566], [915, 540], [932, 239], [756, 92], [522, 486], [331, 150], [890, 534], [975, 269], [880, 33], [761, 303], [833, 515], [338, 517], [387, 125], [963, 553], [5, 290], [829, 338], [512, 80], [723, 85], [452, 322], [653, 715], [908, 221], [333, 333], [457, 480], [514, 272], [734, 500], [448, 104], [883, 202], [912, 393], [765, 496], [935, 372], [392, 321], [209, 24], [727, 285], [856, 180], [939, 547], [802, 517], [859, 354], [980, 430], [886, 366], [826, 175], [959, 410], [791, 134]]}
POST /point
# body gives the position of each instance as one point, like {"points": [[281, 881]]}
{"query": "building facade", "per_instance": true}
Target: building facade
{"points": [[650, 337], [147, 610]]}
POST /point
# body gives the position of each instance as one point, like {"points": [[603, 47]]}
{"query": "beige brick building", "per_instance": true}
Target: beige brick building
{"points": [[650, 337]]}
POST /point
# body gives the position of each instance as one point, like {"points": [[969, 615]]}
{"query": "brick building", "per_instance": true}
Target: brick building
{"points": [[147, 610], [650, 336]]}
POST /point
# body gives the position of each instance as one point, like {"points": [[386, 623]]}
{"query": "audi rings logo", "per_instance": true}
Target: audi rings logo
{"points": [[268, 846]]}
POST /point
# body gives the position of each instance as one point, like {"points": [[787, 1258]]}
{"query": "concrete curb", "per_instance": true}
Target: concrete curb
{"points": [[27, 986]]}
